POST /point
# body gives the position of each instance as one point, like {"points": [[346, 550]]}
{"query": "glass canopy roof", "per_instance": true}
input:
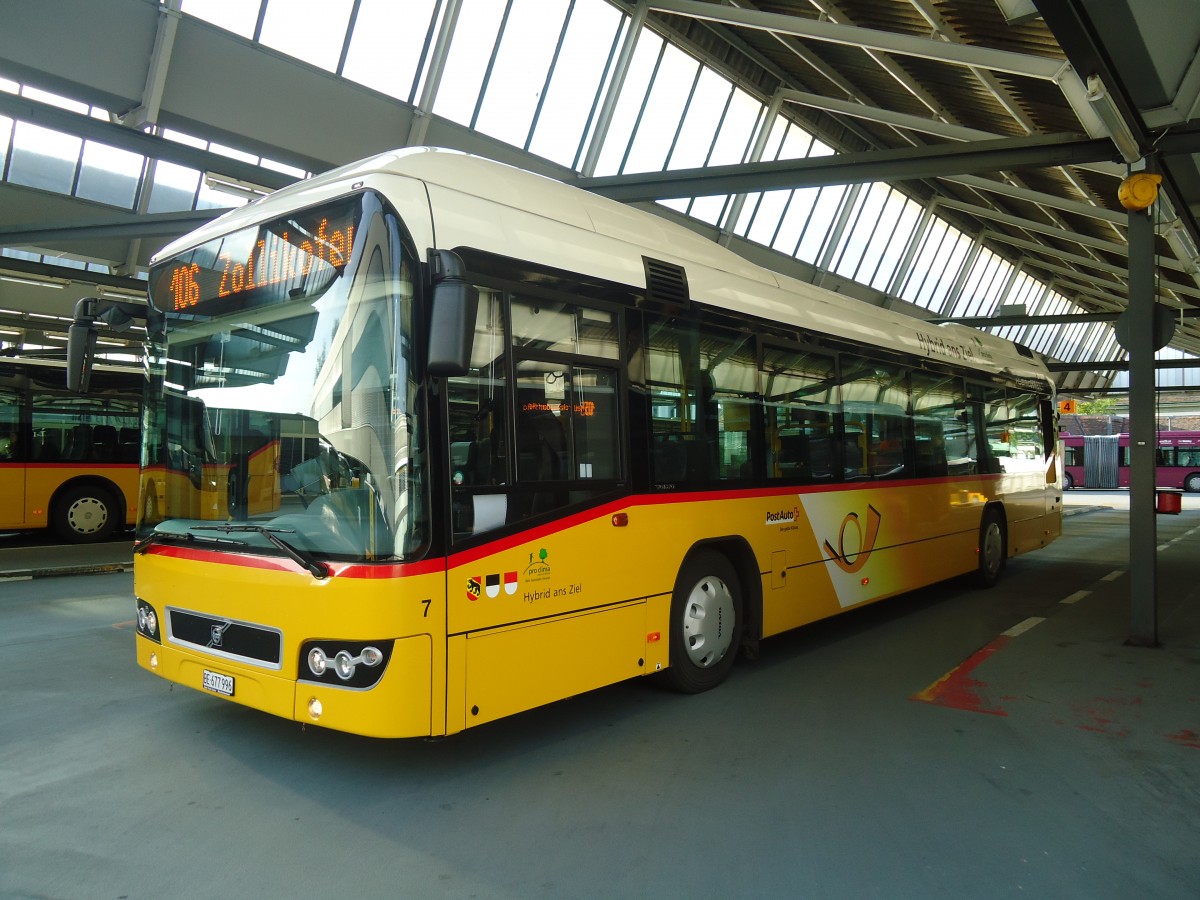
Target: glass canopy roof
{"points": [[537, 74]]}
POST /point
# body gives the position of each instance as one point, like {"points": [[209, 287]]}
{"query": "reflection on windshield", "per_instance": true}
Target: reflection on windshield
{"points": [[294, 414]]}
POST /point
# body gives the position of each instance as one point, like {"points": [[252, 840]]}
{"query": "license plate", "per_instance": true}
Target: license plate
{"points": [[218, 683]]}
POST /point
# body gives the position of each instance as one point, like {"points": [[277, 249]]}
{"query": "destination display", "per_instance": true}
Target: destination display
{"points": [[286, 259]]}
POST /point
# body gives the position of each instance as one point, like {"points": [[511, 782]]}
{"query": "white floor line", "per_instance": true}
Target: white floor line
{"points": [[1022, 627]]}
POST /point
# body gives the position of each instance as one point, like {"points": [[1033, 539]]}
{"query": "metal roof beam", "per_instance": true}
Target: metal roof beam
{"points": [[1052, 231], [148, 225], [56, 119], [1040, 67], [1077, 207], [1084, 261], [160, 63], [1075, 259], [852, 168], [833, 13], [1121, 365], [887, 117], [1060, 319], [12, 265], [969, 55]]}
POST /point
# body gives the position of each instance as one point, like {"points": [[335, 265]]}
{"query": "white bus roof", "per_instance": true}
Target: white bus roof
{"points": [[478, 203]]}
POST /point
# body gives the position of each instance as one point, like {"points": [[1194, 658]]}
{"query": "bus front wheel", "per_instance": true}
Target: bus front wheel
{"points": [[993, 549], [1192, 483], [706, 623], [1068, 481], [85, 514]]}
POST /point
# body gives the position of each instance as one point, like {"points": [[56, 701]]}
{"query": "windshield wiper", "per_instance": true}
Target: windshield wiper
{"points": [[154, 537], [307, 560]]}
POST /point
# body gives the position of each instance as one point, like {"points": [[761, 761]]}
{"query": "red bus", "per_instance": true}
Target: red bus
{"points": [[1102, 460]]}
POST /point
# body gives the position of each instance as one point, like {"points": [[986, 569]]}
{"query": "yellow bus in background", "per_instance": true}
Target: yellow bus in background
{"points": [[528, 442], [210, 464], [68, 461]]}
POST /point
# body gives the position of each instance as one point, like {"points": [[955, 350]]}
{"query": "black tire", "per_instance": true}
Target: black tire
{"points": [[993, 549], [1068, 481], [1192, 483], [706, 623], [86, 514]]}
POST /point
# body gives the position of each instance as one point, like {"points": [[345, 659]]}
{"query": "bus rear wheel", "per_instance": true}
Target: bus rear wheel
{"points": [[706, 623], [85, 514], [993, 549], [1192, 483]]}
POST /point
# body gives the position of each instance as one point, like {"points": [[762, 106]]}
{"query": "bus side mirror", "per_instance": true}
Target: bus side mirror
{"points": [[452, 318], [81, 345]]}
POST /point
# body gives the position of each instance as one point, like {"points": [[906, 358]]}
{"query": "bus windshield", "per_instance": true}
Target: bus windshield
{"points": [[283, 401]]}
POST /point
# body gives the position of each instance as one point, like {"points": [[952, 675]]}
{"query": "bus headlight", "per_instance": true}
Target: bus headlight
{"points": [[347, 664], [318, 662], [356, 664], [371, 656], [147, 621], [344, 663]]}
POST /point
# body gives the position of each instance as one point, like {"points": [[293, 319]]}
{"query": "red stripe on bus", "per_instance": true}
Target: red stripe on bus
{"points": [[280, 564], [538, 533], [626, 503], [223, 557], [387, 570], [76, 464]]}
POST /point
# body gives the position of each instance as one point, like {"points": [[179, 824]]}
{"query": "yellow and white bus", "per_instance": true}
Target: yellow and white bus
{"points": [[68, 461], [531, 442]]}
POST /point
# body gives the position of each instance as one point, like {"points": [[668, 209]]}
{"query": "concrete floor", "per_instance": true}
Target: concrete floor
{"points": [[912, 749]]}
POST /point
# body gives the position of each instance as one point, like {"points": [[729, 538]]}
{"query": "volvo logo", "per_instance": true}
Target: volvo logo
{"points": [[217, 633]]}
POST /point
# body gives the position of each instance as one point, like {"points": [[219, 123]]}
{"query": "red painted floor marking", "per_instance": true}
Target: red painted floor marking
{"points": [[1187, 738], [957, 690]]}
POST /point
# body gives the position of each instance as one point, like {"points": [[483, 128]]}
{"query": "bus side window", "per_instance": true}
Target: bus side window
{"points": [[799, 397], [875, 408], [703, 390], [9, 432], [478, 410], [945, 445]]}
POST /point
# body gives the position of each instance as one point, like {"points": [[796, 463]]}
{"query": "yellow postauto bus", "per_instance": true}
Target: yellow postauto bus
{"points": [[530, 442], [68, 461]]}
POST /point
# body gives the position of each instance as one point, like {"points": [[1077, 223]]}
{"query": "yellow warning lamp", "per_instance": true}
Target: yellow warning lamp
{"points": [[1139, 191]]}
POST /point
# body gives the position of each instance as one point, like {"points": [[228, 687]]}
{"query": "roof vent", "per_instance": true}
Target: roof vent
{"points": [[1024, 351], [666, 284]]}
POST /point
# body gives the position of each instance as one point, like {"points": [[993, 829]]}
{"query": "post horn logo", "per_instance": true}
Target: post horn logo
{"points": [[851, 562]]}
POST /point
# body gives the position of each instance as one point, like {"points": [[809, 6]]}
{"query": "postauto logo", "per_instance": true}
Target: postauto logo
{"points": [[783, 516]]}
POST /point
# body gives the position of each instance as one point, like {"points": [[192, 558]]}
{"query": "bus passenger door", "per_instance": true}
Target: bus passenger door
{"points": [[13, 456]]}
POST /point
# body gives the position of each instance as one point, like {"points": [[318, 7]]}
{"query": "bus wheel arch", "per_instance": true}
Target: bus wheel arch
{"points": [[717, 579], [85, 510], [1192, 483], [993, 545]]}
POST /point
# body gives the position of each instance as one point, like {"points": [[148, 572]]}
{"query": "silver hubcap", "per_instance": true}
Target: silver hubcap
{"points": [[993, 547], [87, 515], [708, 620]]}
